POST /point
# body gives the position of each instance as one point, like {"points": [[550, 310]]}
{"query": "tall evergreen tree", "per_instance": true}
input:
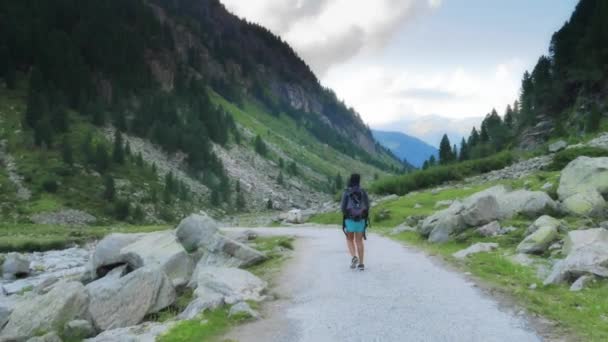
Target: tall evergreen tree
{"points": [[109, 192], [445, 151], [102, 158], [118, 152], [432, 161], [260, 146], [66, 151], [464, 150]]}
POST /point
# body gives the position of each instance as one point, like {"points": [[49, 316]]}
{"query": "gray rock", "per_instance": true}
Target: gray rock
{"points": [[480, 210], [429, 223], [50, 337], [222, 251], [194, 230], [558, 146], [474, 249], [243, 309], [107, 252], [78, 330], [146, 332], [587, 253], [247, 235], [586, 203], [66, 217], [67, 301], [120, 301], [5, 313], [447, 226], [584, 174], [15, 265], [294, 216], [233, 284], [581, 283], [547, 186], [204, 301], [445, 203], [490, 229], [545, 221], [539, 241], [417, 206], [402, 229], [529, 203]]}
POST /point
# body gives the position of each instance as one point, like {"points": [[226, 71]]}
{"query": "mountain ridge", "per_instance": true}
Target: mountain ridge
{"points": [[414, 150]]}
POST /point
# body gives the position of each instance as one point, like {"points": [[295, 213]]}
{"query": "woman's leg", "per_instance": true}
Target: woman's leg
{"points": [[360, 248], [350, 242]]}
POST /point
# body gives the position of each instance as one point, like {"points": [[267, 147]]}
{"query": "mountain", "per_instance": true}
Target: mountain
{"points": [[146, 110], [412, 149]]}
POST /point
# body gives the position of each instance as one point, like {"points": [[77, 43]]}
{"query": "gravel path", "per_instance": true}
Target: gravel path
{"points": [[401, 296]]}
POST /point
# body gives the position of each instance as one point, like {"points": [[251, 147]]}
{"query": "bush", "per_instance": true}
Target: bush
{"points": [[563, 158], [50, 186], [121, 210], [434, 176]]}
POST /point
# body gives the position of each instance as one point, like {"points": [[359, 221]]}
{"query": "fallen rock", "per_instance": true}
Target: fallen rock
{"points": [[587, 253], [581, 283], [67, 301], [582, 175], [222, 251], [205, 300], [528, 203], [417, 206], [545, 221], [78, 330], [243, 309], [119, 301], [146, 332], [490, 229], [294, 216], [539, 241], [248, 235], [480, 210], [445, 203], [557, 146], [451, 214], [107, 253], [474, 249], [547, 186], [588, 203], [194, 230], [15, 266], [402, 229], [233, 284]]}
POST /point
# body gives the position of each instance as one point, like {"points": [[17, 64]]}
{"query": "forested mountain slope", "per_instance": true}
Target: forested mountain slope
{"points": [[99, 99], [411, 149]]}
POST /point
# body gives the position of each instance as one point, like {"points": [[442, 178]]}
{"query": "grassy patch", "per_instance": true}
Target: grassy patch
{"points": [[564, 157], [209, 326], [34, 237]]}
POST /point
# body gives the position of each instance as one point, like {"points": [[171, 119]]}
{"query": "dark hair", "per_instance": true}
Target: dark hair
{"points": [[354, 180]]}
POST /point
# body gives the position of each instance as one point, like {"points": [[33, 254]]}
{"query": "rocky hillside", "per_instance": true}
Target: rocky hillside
{"points": [[163, 107]]}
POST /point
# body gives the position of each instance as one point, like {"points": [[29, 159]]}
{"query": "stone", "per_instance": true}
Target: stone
{"points": [[50, 337], [445, 203], [604, 225], [119, 301], [160, 250], [586, 254], [474, 249], [539, 241], [545, 221], [547, 186], [223, 251], [194, 230], [480, 210], [294, 216], [584, 174], [588, 203], [248, 235], [233, 284], [446, 228], [145, 332], [429, 223], [581, 283], [107, 252], [402, 229], [557, 146], [528, 203], [491, 229], [205, 300], [5, 313], [243, 309], [15, 265], [78, 330], [417, 206], [67, 301]]}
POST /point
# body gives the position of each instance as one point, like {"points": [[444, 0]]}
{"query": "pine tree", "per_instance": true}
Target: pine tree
{"points": [[425, 165], [260, 146], [102, 158], [269, 204], [128, 149], [43, 133], [215, 198], [445, 151], [454, 153], [339, 182], [280, 180], [464, 150], [109, 192], [240, 198], [593, 120], [87, 149], [66, 152], [509, 117], [118, 152], [292, 169], [281, 163], [432, 161]]}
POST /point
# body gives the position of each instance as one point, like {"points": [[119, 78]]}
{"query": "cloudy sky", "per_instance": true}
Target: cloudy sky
{"points": [[423, 67]]}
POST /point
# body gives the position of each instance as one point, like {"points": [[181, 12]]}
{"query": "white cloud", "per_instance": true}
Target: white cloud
{"points": [[329, 32]]}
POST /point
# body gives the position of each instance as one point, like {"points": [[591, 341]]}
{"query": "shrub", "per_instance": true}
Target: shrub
{"points": [[437, 175], [50, 186], [121, 210], [563, 158]]}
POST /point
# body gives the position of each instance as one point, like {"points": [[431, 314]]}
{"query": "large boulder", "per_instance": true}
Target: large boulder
{"points": [[78, 330], [119, 300], [480, 210], [194, 230], [50, 337], [242, 309], [584, 174], [15, 265], [220, 250], [587, 253], [447, 226], [474, 249], [205, 300], [294, 216], [545, 221], [539, 241], [586, 203], [428, 224], [529, 203], [491, 229], [67, 301], [107, 252], [558, 146], [235, 285]]}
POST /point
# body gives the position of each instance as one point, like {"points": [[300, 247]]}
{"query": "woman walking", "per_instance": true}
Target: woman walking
{"points": [[355, 211]]}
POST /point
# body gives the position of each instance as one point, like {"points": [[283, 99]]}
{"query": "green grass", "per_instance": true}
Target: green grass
{"points": [[208, 327], [35, 237]]}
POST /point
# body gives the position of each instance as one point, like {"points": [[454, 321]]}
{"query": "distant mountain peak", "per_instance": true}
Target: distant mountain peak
{"points": [[404, 146]]}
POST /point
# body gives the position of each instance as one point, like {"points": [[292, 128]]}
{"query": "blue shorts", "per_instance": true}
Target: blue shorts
{"points": [[353, 226]]}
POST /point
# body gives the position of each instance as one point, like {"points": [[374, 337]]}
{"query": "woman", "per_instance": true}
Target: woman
{"points": [[355, 211]]}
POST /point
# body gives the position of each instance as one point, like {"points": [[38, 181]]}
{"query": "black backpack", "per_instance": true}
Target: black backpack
{"points": [[356, 208]]}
